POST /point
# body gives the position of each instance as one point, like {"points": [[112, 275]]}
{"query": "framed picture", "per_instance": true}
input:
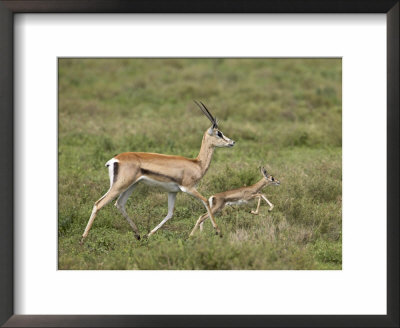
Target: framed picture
{"points": [[82, 90]]}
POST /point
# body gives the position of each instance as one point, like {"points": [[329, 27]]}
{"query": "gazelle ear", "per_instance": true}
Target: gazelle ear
{"points": [[210, 131]]}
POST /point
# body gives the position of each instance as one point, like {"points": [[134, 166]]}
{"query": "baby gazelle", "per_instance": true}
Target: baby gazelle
{"points": [[239, 196]]}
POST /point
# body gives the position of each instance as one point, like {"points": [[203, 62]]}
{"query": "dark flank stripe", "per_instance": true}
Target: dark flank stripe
{"points": [[115, 171], [148, 172]]}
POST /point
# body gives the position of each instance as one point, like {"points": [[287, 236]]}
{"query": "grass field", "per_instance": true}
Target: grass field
{"points": [[283, 113]]}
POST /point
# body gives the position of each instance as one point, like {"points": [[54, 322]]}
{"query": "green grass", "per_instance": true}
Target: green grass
{"points": [[283, 113]]}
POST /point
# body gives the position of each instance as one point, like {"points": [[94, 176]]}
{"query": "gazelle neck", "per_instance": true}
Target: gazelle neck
{"points": [[205, 155], [260, 184]]}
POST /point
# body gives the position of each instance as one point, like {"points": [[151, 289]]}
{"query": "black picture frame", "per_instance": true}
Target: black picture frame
{"points": [[7, 11]]}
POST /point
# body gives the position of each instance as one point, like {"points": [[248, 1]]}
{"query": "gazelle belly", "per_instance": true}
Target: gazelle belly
{"points": [[167, 186], [238, 202]]}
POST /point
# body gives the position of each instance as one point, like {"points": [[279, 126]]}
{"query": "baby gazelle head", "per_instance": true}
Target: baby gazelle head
{"points": [[213, 135], [270, 179]]}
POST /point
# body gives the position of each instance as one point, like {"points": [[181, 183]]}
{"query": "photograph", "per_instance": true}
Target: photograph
{"points": [[199, 163]]}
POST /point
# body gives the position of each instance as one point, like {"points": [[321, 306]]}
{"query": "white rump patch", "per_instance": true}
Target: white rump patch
{"points": [[110, 165], [210, 201], [112, 161]]}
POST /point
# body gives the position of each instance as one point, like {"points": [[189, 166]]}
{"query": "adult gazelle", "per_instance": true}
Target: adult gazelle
{"points": [[171, 173]]}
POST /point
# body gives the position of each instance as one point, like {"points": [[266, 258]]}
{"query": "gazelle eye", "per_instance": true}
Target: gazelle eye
{"points": [[272, 178], [219, 134]]}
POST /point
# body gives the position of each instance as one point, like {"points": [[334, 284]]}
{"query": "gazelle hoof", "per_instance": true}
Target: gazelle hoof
{"points": [[137, 237], [218, 233], [81, 241], [253, 212]]}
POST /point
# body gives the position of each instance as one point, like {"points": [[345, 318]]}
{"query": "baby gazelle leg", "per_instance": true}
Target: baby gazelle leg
{"points": [[204, 216], [195, 193], [201, 225], [271, 206], [258, 206], [216, 207]]}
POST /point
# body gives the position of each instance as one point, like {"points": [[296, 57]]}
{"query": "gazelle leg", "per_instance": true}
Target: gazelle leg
{"points": [[271, 206], [216, 207], [120, 204], [171, 206], [108, 197], [201, 226], [258, 206], [195, 193], [200, 222]]}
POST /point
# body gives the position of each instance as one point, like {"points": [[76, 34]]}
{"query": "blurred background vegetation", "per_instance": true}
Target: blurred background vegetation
{"points": [[283, 113]]}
